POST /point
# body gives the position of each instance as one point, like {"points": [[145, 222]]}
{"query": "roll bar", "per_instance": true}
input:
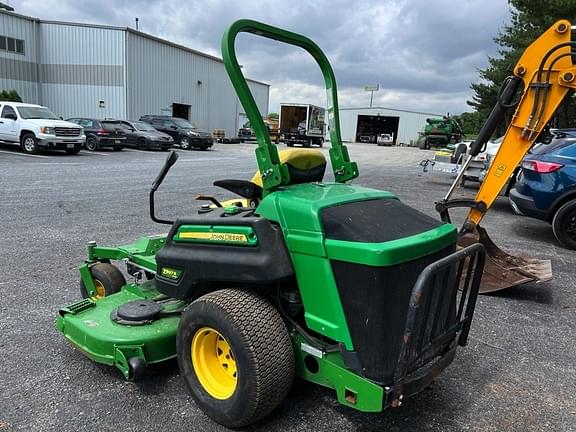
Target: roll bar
{"points": [[273, 173]]}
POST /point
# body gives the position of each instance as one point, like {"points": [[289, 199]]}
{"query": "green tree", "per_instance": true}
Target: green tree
{"points": [[273, 116], [10, 96], [529, 18], [471, 122]]}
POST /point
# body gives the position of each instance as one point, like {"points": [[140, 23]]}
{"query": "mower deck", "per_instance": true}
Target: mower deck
{"points": [[89, 326]]}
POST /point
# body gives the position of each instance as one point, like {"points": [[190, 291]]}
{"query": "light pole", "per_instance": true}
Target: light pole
{"points": [[371, 89]]}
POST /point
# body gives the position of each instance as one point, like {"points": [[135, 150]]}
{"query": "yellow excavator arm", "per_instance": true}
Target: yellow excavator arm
{"points": [[546, 75]]}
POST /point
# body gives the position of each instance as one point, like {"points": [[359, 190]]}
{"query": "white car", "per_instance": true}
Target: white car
{"points": [[385, 140], [36, 128]]}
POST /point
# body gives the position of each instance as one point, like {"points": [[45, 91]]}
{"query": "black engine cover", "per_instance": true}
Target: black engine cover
{"points": [[202, 263]]}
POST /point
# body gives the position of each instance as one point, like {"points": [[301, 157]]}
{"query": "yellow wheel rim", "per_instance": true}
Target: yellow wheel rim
{"points": [[214, 363], [100, 290]]}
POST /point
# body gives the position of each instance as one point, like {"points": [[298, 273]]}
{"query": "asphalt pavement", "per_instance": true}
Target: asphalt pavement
{"points": [[518, 372]]}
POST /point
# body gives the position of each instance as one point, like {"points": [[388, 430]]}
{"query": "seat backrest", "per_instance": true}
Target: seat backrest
{"points": [[304, 165]]}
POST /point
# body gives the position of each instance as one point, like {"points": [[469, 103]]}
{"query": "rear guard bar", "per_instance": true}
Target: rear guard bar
{"points": [[436, 326]]}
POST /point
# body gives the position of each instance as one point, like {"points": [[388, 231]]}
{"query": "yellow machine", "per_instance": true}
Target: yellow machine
{"points": [[546, 74]]}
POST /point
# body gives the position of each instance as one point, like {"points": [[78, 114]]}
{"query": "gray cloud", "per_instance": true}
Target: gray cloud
{"points": [[424, 54]]}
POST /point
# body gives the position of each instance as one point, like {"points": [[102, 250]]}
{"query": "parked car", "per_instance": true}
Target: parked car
{"points": [[246, 133], [385, 140], [546, 187], [182, 131], [101, 133], [144, 136], [36, 128]]}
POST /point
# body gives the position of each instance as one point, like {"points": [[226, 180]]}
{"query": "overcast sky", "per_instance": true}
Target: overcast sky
{"points": [[423, 53]]}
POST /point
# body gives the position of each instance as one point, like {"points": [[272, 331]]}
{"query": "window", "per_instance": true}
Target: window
{"points": [[32, 112], [11, 44], [184, 124], [8, 110]]}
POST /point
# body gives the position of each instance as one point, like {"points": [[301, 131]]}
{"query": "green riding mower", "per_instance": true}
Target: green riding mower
{"points": [[340, 285]]}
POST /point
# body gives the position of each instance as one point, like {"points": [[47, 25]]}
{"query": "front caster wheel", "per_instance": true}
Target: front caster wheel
{"points": [[235, 356], [137, 368], [107, 280]]}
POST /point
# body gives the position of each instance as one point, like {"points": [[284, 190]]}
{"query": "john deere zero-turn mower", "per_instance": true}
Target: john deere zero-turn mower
{"points": [[337, 284]]}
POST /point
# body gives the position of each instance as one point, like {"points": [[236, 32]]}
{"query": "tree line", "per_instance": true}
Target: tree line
{"points": [[529, 19], [10, 96]]}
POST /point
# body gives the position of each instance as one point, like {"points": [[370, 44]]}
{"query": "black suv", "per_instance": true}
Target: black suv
{"points": [[184, 133], [101, 133]]}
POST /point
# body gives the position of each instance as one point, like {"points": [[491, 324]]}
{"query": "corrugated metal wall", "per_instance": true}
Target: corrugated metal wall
{"points": [[20, 72], [408, 127], [82, 70], [159, 74]]}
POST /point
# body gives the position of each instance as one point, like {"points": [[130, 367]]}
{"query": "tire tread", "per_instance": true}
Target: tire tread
{"points": [[272, 357]]}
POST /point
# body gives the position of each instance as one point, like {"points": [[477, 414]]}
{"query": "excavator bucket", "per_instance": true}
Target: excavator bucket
{"points": [[503, 270]]}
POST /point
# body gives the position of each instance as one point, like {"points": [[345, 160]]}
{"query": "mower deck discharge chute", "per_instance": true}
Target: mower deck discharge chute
{"points": [[337, 284]]}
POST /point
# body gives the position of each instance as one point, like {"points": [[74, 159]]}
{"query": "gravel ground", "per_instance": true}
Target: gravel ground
{"points": [[518, 372]]}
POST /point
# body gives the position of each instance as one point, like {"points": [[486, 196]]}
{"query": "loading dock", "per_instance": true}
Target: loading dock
{"points": [[407, 123], [368, 127], [181, 110]]}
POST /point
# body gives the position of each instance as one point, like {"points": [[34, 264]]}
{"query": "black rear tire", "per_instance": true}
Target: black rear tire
{"points": [[91, 144], [142, 144], [107, 277], [423, 144], [258, 342], [564, 224], [185, 143]]}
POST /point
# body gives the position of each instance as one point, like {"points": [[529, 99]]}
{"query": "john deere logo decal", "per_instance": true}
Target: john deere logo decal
{"points": [[230, 235], [213, 236]]}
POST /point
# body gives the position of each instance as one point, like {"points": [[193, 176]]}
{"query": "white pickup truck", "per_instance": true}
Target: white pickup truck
{"points": [[36, 128]]}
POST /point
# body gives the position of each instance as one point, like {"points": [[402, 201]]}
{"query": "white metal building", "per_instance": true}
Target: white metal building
{"points": [[84, 70], [364, 124]]}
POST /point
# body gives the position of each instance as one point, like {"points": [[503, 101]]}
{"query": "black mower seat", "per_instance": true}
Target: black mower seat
{"points": [[244, 188]]}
